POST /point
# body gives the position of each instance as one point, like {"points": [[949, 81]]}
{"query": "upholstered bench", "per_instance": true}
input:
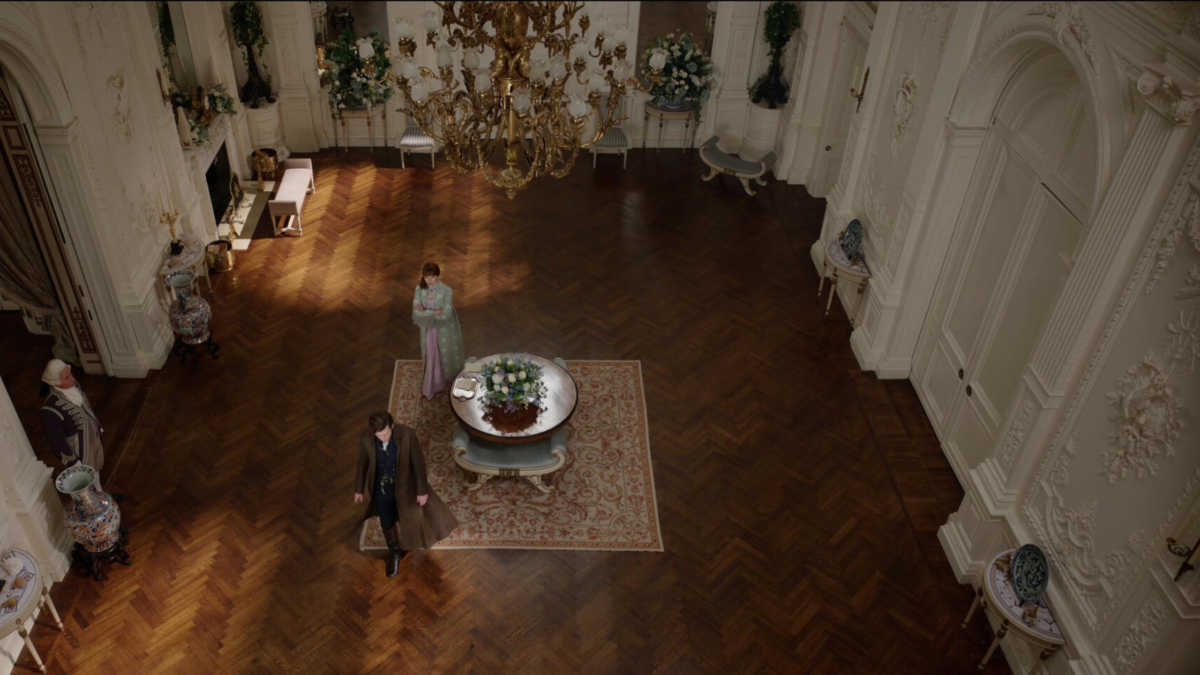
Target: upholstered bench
{"points": [[741, 169], [532, 459], [295, 184]]}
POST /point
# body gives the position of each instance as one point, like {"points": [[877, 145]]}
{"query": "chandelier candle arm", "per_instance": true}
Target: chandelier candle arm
{"points": [[515, 103]]}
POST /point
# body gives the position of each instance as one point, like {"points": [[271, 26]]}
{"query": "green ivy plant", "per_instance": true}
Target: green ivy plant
{"points": [[166, 30], [248, 32]]}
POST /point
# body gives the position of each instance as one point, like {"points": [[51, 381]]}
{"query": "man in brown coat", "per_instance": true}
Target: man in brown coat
{"points": [[391, 469]]}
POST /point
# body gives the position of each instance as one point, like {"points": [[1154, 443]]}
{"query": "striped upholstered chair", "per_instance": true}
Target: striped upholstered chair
{"points": [[415, 140], [616, 141]]}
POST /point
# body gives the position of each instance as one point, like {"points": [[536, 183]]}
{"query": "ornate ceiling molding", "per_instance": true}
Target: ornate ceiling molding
{"points": [[1069, 28], [1165, 93], [1142, 632]]}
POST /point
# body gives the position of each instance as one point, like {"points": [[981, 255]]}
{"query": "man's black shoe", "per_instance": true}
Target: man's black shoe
{"points": [[393, 563]]}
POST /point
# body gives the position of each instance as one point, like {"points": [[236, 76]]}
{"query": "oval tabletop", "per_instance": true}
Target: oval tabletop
{"points": [[561, 398], [21, 592], [192, 252], [1000, 589]]}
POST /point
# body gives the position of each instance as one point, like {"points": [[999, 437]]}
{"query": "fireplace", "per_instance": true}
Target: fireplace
{"points": [[217, 177]]}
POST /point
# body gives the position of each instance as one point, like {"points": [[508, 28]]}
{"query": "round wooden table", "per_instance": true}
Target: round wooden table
{"points": [[562, 396], [21, 594]]}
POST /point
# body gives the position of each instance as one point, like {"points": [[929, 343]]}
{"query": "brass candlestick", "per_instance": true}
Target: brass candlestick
{"points": [[168, 218]]}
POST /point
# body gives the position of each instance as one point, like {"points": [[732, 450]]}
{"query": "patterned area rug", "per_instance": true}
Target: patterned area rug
{"points": [[603, 498]]}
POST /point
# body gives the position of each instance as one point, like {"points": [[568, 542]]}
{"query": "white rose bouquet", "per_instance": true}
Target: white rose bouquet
{"points": [[513, 381], [688, 75]]}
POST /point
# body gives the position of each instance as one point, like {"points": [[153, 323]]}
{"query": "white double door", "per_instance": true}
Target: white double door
{"points": [[1008, 261]]}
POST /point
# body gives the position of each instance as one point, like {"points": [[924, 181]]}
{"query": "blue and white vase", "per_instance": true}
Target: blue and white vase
{"points": [[189, 313], [93, 519]]}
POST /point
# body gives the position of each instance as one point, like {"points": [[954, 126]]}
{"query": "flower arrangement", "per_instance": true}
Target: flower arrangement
{"points": [[513, 381], [359, 69], [688, 75]]}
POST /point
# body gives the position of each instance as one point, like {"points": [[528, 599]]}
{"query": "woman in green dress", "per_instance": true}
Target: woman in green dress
{"points": [[441, 334]]}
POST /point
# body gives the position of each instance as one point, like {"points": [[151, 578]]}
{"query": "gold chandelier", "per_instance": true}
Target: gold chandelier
{"points": [[518, 104]]}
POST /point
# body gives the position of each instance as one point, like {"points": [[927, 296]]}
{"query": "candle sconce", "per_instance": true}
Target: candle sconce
{"points": [[168, 218], [1188, 555], [857, 94]]}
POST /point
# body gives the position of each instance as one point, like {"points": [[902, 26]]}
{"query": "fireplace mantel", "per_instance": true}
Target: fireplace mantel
{"points": [[199, 157], [197, 160]]}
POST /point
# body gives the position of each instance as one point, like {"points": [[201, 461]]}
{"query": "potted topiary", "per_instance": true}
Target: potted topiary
{"points": [[780, 20], [248, 32]]}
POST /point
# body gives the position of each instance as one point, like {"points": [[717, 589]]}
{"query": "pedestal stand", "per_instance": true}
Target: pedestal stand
{"points": [[187, 351], [93, 562]]}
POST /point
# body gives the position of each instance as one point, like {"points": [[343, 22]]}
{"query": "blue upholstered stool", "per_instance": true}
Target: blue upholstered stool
{"points": [[741, 169]]}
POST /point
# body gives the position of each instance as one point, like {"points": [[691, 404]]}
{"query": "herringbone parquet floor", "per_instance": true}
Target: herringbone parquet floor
{"points": [[799, 496]]}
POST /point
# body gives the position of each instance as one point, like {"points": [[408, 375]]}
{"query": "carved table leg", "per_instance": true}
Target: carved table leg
{"points": [[480, 479], [832, 291], [711, 175], [50, 603], [370, 132], [37, 658], [645, 123], [821, 289], [660, 133], [974, 605], [995, 643], [537, 483], [686, 125]]}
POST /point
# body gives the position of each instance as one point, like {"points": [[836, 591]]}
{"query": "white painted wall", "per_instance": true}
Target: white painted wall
{"points": [[1051, 471], [31, 517]]}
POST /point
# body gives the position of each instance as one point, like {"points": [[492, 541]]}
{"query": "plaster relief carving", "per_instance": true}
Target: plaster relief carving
{"points": [[6, 111], [903, 220], [1071, 538], [1127, 74], [29, 180], [1042, 522], [1142, 633], [1191, 288], [874, 205], [903, 106], [1166, 95], [1188, 219], [119, 99], [1016, 434], [1145, 407], [1069, 28]]}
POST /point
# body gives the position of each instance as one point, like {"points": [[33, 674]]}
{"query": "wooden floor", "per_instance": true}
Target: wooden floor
{"points": [[799, 497]]}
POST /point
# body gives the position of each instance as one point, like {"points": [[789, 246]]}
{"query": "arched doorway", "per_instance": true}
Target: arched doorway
{"points": [[31, 208], [1014, 245]]}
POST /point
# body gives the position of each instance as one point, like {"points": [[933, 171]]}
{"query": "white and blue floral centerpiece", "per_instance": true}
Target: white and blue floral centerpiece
{"points": [[687, 77], [513, 381]]}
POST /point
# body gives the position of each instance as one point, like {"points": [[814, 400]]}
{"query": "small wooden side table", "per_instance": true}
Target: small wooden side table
{"points": [[20, 596], [836, 260], [192, 258], [343, 115], [1033, 623], [686, 113]]}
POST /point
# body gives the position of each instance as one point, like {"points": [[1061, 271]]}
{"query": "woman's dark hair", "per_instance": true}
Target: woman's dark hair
{"points": [[429, 270], [380, 421]]}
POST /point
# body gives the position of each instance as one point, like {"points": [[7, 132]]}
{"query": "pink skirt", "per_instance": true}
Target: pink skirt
{"points": [[435, 380]]}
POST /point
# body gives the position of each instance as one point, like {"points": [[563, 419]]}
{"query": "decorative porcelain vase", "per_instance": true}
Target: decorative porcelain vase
{"points": [[669, 105], [189, 313], [93, 519]]}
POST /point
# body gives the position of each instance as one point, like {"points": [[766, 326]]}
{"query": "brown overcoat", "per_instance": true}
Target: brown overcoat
{"points": [[420, 526]]}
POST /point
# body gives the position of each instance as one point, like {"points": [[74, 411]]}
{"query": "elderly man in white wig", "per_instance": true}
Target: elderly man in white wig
{"points": [[72, 428]]}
